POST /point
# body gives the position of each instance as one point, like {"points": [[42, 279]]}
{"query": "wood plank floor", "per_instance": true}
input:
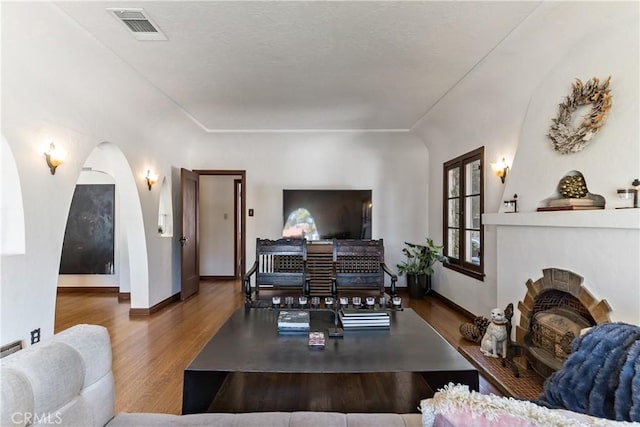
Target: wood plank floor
{"points": [[150, 353]]}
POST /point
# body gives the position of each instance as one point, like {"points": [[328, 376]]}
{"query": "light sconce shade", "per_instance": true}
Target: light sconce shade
{"points": [[151, 178], [500, 169], [630, 193], [54, 157]]}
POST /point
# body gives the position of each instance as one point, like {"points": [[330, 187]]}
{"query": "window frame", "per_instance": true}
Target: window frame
{"points": [[459, 264]]}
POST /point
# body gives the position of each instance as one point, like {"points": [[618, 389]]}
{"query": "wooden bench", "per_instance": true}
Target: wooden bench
{"points": [[359, 265], [279, 264]]}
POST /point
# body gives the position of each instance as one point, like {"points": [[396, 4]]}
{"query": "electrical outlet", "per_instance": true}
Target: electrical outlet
{"points": [[35, 336]]}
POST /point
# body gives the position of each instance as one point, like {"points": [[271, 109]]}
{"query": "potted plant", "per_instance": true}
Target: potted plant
{"points": [[418, 266]]}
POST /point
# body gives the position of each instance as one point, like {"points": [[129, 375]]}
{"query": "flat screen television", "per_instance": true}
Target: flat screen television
{"points": [[327, 214]]}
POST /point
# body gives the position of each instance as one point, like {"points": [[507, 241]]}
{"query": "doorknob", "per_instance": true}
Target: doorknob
{"points": [[182, 240]]}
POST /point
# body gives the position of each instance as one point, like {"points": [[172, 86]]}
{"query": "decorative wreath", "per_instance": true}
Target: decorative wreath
{"points": [[571, 140]]}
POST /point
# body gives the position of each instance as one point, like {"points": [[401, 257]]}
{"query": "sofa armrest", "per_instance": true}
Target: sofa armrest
{"points": [[65, 380]]}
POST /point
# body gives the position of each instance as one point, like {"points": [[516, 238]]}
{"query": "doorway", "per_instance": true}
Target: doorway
{"points": [[222, 224]]}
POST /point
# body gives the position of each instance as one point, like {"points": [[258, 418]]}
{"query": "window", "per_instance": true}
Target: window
{"points": [[463, 203]]}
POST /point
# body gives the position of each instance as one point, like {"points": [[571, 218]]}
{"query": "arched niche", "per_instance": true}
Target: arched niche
{"points": [[12, 232]]}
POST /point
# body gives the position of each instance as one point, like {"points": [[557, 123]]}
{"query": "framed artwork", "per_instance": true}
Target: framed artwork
{"points": [[88, 246]]}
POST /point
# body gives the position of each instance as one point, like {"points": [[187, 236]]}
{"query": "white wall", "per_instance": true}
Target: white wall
{"points": [[507, 103], [216, 225], [393, 166]]}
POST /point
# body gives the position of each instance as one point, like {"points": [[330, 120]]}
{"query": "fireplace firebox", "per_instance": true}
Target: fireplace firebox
{"points": [[554, 310]]}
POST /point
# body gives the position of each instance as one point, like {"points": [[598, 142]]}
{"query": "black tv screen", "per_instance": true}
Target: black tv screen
{"points": [[327, 214]]}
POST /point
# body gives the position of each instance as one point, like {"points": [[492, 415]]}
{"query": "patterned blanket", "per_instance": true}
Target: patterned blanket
{"points": [[601, 377]]}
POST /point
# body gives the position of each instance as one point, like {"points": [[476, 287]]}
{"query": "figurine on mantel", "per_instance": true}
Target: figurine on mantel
{"points": [[572, 194]]}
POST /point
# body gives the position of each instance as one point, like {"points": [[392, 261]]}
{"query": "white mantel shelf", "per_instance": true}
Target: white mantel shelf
{"points": [[601, 218]]}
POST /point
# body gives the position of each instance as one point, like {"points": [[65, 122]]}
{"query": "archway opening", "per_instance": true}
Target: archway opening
{"points": [[107, 164]]}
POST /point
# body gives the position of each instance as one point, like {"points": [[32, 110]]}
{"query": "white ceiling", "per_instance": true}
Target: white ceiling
{"points": [[306, 65]]}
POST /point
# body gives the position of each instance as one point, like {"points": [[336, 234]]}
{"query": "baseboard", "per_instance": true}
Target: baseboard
{"points": [[91, 289], [124, 296], [453, 305], [217, 278], [139, 312]]}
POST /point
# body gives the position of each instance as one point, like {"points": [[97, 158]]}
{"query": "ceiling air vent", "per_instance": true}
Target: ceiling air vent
{"points": [[138, 23]]}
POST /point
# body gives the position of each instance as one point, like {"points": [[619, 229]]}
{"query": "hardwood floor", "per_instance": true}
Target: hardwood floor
{"points": [[150, 353]]}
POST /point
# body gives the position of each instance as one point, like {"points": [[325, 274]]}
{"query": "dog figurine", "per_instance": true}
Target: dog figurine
{"points": [[494, 341]]}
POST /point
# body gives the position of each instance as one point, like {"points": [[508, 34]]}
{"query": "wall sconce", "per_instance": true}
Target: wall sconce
{"points": [[54, 157], [630, 193], [500, 169], [151, 178]]}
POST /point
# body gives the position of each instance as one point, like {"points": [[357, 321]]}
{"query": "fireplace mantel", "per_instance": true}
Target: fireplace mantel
{"points": [[600, 218], [594, 243]]}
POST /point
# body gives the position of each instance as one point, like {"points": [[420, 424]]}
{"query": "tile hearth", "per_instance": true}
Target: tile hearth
{"points": [[528, 386]]}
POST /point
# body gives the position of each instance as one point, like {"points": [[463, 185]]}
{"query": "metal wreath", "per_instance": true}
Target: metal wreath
{"points": [[567, 139]]}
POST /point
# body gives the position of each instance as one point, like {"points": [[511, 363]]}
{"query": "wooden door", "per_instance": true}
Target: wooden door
{"points": [[237, 212], [189, 257]]}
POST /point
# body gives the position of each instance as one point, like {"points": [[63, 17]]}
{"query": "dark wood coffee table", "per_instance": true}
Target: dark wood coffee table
{"points": [[249, 342]]}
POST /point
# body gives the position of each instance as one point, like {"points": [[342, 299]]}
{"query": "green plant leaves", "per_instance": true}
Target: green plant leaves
{"points": [[421, 258]]}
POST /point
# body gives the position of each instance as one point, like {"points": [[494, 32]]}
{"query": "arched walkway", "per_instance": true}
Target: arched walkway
{"points": [[132, 259]]}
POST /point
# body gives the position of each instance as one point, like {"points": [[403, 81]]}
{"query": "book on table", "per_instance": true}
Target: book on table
{"points": [[293, 321], [361, 319], [358, 312]]}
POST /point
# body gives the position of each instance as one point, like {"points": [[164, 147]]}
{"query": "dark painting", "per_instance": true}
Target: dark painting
{"points": [[89, 236]]}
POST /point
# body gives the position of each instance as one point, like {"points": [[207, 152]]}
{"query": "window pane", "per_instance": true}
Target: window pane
{"points": [[454, 182], [453, 249], [472, 212], [453, 216], [472, 173], [472, 247]]}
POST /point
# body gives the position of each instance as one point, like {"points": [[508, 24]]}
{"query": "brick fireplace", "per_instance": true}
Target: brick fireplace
{"points": [[554, 309]]}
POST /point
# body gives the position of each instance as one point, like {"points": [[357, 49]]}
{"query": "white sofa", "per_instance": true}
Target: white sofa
{"points": [[67, 380]]}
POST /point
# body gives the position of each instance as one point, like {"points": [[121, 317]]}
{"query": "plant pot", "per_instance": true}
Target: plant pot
{"points": [[414, 284], [419, 285], [427, 285]]}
